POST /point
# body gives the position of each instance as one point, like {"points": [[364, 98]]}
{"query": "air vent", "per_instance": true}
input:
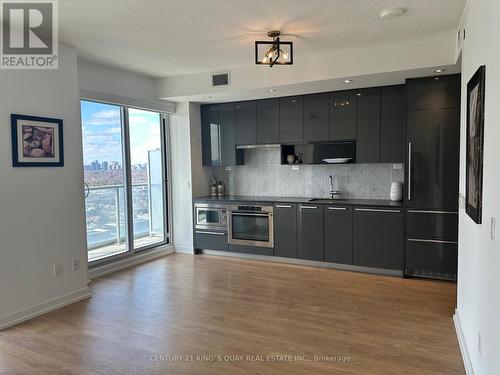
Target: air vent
{"points": [[220, 79]]}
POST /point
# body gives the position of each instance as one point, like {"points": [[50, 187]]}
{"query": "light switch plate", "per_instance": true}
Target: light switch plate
{"points": [[493, 229], [461, 202], [76, 264], [58, 269]]}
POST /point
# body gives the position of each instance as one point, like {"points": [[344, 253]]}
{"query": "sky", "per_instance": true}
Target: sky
{"points": [[102, 138]]}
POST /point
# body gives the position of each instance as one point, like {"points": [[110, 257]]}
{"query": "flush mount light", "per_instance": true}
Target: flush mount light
{"points": [[347, 81], [273, 52], [392, 12], [440, 70], [271, 90]]}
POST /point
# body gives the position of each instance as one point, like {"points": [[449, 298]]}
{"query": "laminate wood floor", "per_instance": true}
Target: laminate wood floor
{"points": [[204, 314]]}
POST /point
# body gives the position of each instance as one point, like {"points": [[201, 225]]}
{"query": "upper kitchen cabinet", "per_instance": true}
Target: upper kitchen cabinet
{"points": [[226, 122], [433, 93], [316, 117], [268, 121], [211, 136], [245, 117], [342, 115], [368, 126], [291, 119], [218, 136], [392, 124]]}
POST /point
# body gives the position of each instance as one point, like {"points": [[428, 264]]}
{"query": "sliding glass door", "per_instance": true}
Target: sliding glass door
{"points": [[124, 154]]}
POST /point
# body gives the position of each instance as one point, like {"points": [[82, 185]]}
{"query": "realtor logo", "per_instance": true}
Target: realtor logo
{"points": [[29, 37]]}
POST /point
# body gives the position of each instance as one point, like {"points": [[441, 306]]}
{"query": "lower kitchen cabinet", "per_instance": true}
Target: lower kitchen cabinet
{"points": [[338, 234], [285, 227], [378, 237], [210, 240], [310, 232], [431, 258]]}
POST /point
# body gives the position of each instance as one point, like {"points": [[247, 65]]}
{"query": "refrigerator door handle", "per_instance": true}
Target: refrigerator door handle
{"points": [[409, 171]]}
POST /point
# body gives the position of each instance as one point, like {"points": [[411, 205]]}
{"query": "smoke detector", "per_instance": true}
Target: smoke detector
{"points": [[392, 12]]}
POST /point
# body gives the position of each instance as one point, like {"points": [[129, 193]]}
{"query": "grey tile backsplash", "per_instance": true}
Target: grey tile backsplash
{"points": [[263, 174]]}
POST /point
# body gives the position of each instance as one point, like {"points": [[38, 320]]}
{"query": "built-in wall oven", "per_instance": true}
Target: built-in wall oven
{"points": [[251, 225], [210, 217]]}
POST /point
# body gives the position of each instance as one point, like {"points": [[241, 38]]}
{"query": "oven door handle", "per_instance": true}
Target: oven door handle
{"points": [[249, 214]]}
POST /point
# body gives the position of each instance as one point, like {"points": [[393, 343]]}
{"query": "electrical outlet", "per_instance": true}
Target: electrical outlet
{"points": [[493, 229], [295, 167], [479, 343], [397, 166], [76, 264], [58, 269]]}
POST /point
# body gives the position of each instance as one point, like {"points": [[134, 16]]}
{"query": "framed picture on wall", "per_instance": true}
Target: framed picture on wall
{"points": [[36, 141], [475, 135]]}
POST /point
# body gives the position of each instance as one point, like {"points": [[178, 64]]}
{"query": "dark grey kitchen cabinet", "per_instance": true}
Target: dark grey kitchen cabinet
{"points": [[268, 121], [228, 145], [210, 240], [285, 229], [433, 159], [378, 237], [368, 126], [392, 124], [211, 136], [316, 117], [433, 92], [310, 232], [431, 258], [343, 115], [245, 116], [291, 119], [338, 234]]}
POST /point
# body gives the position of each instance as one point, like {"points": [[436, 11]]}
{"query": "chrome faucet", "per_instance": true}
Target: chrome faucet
{"points": [[333, 193]]}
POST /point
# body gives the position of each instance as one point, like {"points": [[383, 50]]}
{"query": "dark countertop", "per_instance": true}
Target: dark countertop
{"points": [[252, 199]]}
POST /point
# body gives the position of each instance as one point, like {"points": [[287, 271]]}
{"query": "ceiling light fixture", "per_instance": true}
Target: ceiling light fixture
{"points": [[347, 81], [273, 52], [392, 12], [207, 97], [440, 70], [271, 90]]}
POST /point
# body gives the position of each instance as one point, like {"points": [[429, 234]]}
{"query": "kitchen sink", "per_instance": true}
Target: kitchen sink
{"points": [[327, 200]]}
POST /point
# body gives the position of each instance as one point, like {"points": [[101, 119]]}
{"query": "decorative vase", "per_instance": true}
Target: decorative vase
{"points": [[396, 191]]}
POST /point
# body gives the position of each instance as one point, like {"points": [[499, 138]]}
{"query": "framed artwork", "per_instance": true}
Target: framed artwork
{"points": [[474, 156], [36, 141]]}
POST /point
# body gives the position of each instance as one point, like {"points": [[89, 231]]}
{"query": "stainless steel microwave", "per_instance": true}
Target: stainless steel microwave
{"points": [[210, 216]]}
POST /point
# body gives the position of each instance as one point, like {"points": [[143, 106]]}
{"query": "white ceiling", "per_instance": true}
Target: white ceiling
{"points": [[163, 38]]}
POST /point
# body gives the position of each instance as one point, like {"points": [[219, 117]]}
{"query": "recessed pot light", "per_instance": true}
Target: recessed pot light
{"points": [[271, 90], [347, 81], [392, 12], [440, 70]]}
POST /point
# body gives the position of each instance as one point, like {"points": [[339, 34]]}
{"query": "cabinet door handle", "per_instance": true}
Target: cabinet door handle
{"points": [[376, 210], [214, 233], [308, 207], [283, 206], [409, 171], [432, 212], [337, 208], [432, 241]]}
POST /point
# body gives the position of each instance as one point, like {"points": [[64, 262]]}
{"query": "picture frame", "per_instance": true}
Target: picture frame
{"points": [[37, 141], [474, 147]]}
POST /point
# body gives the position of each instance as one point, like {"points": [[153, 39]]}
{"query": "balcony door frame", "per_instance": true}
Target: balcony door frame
{"points": [[167, 188]]}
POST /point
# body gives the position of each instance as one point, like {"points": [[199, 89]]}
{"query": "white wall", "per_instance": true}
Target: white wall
{"points": [[99, 82], [479, 256], [41, 209], [181, 179], [200, 175]]}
